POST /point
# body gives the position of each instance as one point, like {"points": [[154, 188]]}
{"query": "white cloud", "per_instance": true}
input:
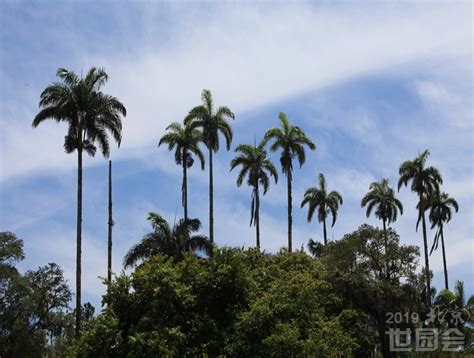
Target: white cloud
{"points": [[248, 57], [433, 92]]}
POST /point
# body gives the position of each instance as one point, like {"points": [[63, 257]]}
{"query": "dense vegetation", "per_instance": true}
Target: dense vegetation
{"points": [[235, 303], [188, 297]]}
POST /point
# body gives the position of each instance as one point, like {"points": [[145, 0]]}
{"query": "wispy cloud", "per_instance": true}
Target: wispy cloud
{"points": [[248, 56]]}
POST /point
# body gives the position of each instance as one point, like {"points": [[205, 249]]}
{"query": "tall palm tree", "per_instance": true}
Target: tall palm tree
{"points": [[382, 197], [172, 241], [256, 166], [326, 203], [89, 114], [440, 205], [186, 141], [291, 140], [424, 181], [212, 123]]}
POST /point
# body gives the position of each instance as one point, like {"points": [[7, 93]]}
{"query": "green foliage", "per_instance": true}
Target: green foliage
{"points": [[236, 303], [11, 252], [374, 274], [32, 317]]}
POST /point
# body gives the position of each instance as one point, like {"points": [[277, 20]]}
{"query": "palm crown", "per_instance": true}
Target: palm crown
{"points": [[212, 123], [326, 203], [185, 140], [172, 241], [291, 140], [89, 113], [382, 197]]}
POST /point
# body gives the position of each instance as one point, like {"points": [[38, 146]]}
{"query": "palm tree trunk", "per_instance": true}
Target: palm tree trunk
{"points": [[110, 224], [79, 241], [386, 245], [444, 261], [211, 199], [324, 232], [185, 189], [257, 217], [290, 219], [427, 263]]}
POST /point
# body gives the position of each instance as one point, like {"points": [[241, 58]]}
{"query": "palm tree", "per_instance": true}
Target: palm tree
{"points": [[440, 205], [90, 114], [291, 140], [382, 197], [172, 241], [185, 139], [212, 123], [257, 168], [424, 181], [326, 203]]}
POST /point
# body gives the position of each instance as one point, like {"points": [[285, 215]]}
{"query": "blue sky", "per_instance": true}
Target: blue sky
{"points": [[371, 83]]}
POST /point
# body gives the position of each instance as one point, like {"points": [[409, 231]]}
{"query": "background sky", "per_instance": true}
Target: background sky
{"points": [[371, 83]]}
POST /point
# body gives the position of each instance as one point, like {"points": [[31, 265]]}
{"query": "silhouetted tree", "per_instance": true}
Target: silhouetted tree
{"points": [[256, 166], [291, 140], [185, 140], [89, 114], [440, 205], [326, 203], [211, 123]]}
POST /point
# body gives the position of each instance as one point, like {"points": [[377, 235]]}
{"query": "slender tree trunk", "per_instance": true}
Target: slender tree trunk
{"points": [[444, 261], [324, 232], [185, 189], [111, 223], [257, 216], [79, 241], [211, 199], [290, 219], [386, 245], [427, 263]]}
